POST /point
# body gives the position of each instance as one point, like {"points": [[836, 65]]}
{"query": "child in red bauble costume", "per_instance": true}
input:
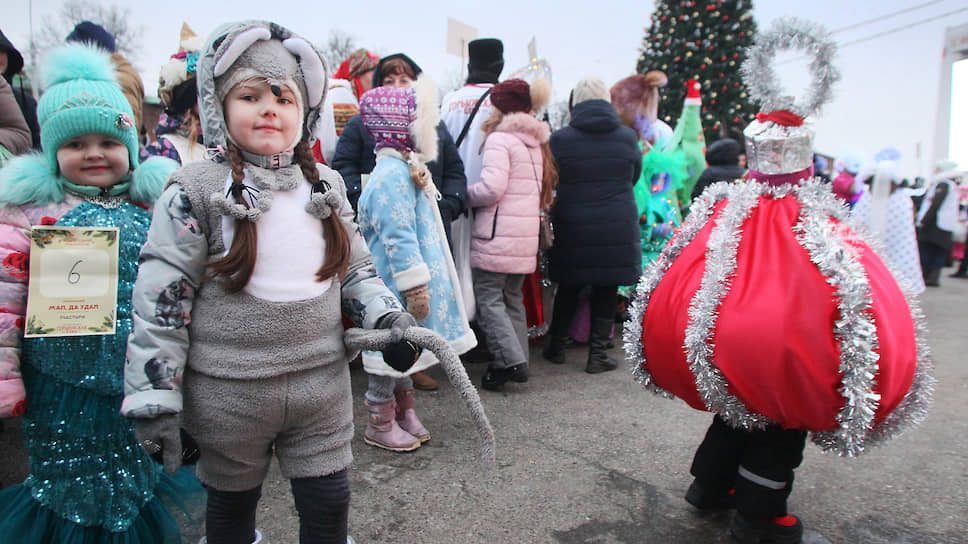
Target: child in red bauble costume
{"points": [[770, 309]]}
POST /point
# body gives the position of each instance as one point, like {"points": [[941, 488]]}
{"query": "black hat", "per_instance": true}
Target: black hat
{"points": [[94, 34], [15, 61], [486, 60]]}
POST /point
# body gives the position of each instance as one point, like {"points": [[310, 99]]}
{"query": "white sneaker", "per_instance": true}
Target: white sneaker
{"points": [[258, 538]]}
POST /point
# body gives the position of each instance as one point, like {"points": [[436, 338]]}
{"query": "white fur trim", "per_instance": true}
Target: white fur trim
{"points": [[173, 73], [540, 91], [314, 72], [193, 44], [693, 102], [238, 46], [412, 277], [423, 129]]}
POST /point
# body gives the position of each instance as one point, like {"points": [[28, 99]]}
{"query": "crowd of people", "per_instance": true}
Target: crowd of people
{"points": [[273, 178]]}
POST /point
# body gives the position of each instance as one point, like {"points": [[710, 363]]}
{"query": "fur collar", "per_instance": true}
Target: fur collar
{"points": [[526, 127], [28, 179]]}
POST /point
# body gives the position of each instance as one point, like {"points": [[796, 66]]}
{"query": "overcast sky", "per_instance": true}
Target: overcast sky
{"points": [[888, 95]]}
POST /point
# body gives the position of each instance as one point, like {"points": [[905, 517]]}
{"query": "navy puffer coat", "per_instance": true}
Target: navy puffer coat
{"points": [[594, 214]]}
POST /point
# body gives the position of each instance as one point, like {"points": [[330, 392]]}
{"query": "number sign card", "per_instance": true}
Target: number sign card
{"points": [[73, 287]]}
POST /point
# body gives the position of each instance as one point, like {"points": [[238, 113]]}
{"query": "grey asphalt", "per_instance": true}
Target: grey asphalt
{"points": [[595, 458]]}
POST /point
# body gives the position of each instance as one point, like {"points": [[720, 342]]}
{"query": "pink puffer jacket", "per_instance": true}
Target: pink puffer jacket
{"points": [[507, 198]]}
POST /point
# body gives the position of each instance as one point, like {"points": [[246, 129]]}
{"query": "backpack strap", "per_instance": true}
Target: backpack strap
{"points": [[467, 125]]}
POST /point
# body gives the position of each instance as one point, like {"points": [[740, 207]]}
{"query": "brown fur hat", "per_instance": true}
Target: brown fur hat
{"points": [[638, 94]]}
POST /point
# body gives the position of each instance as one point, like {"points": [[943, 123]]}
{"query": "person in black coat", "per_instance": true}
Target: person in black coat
{"points": [[11, 62], [723, 160], [354, 155], [594, 217]]}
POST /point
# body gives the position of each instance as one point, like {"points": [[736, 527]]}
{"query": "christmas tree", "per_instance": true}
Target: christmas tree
{"points": [[705, 41]]}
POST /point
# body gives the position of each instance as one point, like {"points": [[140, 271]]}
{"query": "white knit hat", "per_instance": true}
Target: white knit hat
{"points": [[589, 88]]}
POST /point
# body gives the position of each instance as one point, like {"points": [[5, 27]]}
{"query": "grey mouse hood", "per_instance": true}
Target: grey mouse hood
{"points": [[237, 51]]}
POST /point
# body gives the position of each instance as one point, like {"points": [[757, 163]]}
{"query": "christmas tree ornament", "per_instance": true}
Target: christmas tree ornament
{"points": [[769, 305]]}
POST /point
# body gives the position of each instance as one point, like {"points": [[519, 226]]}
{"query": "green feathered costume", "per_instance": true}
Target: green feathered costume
{"points": [[669, 171]]}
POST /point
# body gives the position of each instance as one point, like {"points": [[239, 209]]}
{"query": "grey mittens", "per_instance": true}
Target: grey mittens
{"points": [[162, 434]]}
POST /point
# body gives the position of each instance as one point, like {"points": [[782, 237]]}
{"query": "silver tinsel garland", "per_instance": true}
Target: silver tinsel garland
{"points": [[699, 213], [761, 78], [855, 329], [703, 309]]}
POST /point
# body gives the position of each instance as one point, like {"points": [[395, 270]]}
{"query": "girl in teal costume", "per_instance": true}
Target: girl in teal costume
{"points": [[90, 480]]}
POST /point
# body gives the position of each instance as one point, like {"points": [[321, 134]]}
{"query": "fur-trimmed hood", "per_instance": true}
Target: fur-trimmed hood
{"points": [[226, 44], [29, 179], [526, 127]]}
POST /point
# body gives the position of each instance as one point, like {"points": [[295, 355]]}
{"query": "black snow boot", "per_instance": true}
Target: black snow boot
{"points": [[598, 359]]}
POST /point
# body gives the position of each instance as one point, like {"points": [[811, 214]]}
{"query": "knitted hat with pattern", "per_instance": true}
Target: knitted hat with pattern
{"points": [[82, 96], [387, 113], [404, 118]]}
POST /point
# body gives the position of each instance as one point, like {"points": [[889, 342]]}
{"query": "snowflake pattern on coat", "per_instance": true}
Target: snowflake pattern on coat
{"points": [[401, 227]]}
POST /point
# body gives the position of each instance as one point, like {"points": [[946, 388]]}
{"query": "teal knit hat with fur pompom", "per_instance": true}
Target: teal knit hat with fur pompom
{"points": [[82, 96]]}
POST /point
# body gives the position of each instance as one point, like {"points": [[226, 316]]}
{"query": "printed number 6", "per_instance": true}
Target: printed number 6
{"points": [[74, 277]]}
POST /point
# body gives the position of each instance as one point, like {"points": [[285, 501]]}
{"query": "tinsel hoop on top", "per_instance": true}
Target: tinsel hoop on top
{"points": [[791, 34]]}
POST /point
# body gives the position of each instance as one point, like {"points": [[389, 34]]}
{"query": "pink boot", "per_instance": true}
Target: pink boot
{"points": [[407, 416], [382, 430]]}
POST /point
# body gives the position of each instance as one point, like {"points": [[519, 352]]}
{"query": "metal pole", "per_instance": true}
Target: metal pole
{"points": [[33, 50]]}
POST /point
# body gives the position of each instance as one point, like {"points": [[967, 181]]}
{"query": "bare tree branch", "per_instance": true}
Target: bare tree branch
{"points": [[338, 46], [114, 18]]}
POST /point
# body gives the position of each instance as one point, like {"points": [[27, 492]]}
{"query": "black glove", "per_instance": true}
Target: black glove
{"points": [[402, 354], [162, 435], [450, 208]]}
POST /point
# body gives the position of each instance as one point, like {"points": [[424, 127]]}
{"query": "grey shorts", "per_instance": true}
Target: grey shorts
{"points": [[305, 418]]}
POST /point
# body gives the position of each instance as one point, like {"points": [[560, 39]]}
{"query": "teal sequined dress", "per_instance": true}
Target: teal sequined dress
{"points": [[90, 481]]}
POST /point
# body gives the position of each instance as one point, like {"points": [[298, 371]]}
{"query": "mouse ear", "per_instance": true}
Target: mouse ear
{"points": [[313, 69], [242, 41]]}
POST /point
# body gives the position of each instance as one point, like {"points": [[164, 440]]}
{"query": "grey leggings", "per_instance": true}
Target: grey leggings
{"points": [[380, 388]]}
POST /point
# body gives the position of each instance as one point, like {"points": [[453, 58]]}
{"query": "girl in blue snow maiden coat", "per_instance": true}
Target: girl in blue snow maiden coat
{"points": [[402, 224]]}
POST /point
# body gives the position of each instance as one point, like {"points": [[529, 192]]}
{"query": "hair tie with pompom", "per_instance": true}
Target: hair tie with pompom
{"points": [[228, 205], [322, 203]]}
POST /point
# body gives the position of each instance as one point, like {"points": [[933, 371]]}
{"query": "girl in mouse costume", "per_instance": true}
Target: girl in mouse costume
{"points": [[249, 261], [770, 309], [89, 480]]}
